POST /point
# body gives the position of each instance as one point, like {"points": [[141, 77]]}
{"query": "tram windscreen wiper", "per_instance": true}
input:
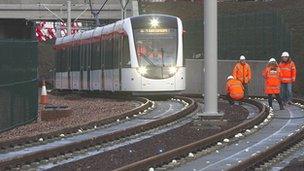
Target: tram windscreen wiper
{"points": [[148, 60], [162, 56]]}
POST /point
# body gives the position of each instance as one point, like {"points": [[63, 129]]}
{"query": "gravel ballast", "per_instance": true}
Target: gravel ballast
{"points": [[85, 110], [158, 144], [296, 164]]}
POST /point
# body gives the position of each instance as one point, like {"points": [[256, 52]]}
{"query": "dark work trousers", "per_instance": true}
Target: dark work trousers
{"points": [[231, 101], [286, 92], [245, 89], [279, 99]]}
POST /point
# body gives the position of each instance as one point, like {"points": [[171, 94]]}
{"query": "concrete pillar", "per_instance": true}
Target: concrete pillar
{"points": [[210, 58]]}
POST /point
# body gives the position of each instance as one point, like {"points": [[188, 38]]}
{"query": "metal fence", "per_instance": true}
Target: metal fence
{"points": [[195, 77], [256, 35], [18, 83]]}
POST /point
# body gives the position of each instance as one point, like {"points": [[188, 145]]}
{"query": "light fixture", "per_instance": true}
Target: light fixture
{"points": [[154, 22], [172, 70], [142, 70]]}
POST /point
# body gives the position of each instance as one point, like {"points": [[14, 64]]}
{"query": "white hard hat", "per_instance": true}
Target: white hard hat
{"points": [[242, 57], [285, 54], [272, 60], [230, 77]]}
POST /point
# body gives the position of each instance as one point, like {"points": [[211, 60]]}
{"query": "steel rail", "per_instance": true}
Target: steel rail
{"points": [[271, 152], [183, 151], [48, 153], [6, 145]]}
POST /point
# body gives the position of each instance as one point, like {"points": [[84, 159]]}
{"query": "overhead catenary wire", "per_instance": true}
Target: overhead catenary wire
{"points": [[123, 6], [95, 14]]}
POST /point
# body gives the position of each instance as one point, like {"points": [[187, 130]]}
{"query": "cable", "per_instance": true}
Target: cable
{"points": [[101, 6], [16, 83], [95, 14], [124, 5]]}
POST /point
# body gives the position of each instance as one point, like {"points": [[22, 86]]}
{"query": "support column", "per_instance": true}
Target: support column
{"points": [[123, 9], [69, 23], [210, 58], [135, 8]]}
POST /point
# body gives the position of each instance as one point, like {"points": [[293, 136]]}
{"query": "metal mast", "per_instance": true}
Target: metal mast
{"points": [[210, 57], [69, 17]]}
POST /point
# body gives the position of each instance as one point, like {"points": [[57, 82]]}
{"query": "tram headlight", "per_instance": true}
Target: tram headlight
{"points": [[173, 70], [142, 70], [154, 22]]}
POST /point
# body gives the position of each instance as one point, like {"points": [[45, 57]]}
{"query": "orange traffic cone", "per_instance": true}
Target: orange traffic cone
{"points": [[43, 97]]}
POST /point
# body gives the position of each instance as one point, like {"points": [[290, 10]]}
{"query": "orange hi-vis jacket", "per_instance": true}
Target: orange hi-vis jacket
{"points": [[289, 72], [235, 89], [242, 72], [272, 80]]}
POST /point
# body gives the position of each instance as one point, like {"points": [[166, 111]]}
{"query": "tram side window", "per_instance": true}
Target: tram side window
{"points": [[116, 51], [69, 59], [72, 59], [75, 63], [58, 61], [81, 49], [96, 58], [65, 60], [77, 54], [106, 54], [88, 56], [111, 51], [84, 61], [125, 57], [109, 54], [102, 53], [84, 57]]}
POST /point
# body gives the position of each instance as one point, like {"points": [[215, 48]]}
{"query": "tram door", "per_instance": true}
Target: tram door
{"points": [[81, 66], [102, 55], [89, 59], [120, 50], [68, 51], [84, 68], [117, 62]]}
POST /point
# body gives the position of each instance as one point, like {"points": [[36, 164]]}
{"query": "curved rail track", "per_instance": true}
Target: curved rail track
{"points": [[264, 145], [262, 142], [51, 136], [159, 114], [291, 136], [168, 159]]}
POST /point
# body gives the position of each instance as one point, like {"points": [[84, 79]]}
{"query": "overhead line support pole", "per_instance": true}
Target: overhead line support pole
{"points": [[69, 23], [210, 58]]}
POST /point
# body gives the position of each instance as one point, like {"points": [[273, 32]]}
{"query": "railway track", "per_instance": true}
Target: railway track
{"points": [[23, 142], [175, 157], [131, 147], [264, 141], [159, 114], [268, 144], [288, 147]]}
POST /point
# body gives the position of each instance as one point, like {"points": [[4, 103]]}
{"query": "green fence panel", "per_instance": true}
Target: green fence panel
{"points": [[18, 83], [257, 35]]}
